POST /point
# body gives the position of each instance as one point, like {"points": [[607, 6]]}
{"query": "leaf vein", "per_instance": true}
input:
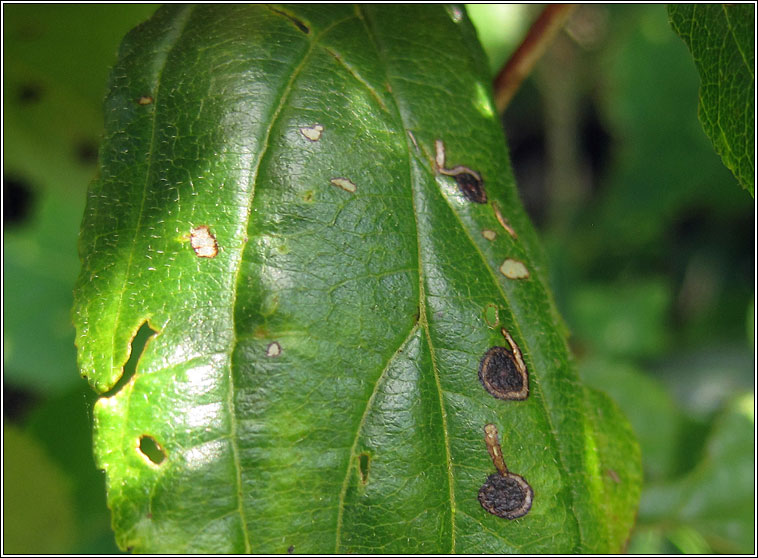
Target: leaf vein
{"points": [[254, 174], [423, 320], [369, 403]]}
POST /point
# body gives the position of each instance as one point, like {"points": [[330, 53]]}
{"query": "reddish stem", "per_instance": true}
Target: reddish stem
{"points": [[530, 50]]}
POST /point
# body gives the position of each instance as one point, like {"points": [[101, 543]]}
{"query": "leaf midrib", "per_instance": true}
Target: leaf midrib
{"points": [[361, 423], [423, 319], [254, 175]]}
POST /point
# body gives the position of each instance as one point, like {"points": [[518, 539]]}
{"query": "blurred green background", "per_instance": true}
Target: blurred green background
{"points": [[651, 242]]}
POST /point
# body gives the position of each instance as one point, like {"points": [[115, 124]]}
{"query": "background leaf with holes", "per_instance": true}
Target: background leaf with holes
{"points": [[280, 199], [722, 39], [55, 68]]}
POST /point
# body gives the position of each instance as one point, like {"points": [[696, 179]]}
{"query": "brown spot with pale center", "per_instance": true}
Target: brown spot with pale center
{"points": [[502, 220], [345, 184], [273, 350], [203, 242], [313, 133], [514, 269]]}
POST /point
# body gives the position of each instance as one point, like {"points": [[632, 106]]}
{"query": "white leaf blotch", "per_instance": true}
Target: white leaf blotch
{"points": [[313, 133], [203, 242], [514, 269]]}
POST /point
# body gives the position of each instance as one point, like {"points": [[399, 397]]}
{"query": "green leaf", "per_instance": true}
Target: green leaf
{"points": [[654, 416], [624, 318], [270, 201], [55, 66], [716, 498], [721, 39]]}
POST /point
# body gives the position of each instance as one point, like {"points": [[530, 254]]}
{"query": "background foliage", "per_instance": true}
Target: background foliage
{"points": [[651, 242]]}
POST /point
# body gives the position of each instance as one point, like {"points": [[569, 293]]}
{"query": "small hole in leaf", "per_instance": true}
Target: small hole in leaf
{"points": [[291, 549], [18, 196], [151, 449], [140, 339], [364, 463]]}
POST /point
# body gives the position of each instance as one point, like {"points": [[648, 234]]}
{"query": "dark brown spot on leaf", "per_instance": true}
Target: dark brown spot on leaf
{"points": [[501, 375], [472, 187], [297, 22], [291, 549], [364, 462], [469, 181], [508, 496]]}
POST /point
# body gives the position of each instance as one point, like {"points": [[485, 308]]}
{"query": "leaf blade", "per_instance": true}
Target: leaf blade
{"points": [[720, 38], [276, 378]]}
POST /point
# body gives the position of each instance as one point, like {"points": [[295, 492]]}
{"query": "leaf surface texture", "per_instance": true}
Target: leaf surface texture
{"points": [[721, 38], [313, 384]]}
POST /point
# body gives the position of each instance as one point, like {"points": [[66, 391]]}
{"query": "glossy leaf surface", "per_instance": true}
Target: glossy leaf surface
{"points": [[721, 39], [273, 201]]}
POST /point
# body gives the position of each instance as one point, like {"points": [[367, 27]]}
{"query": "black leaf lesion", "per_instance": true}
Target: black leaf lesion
{"points": [[469, 181], [503, 494], [503, 373]]}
